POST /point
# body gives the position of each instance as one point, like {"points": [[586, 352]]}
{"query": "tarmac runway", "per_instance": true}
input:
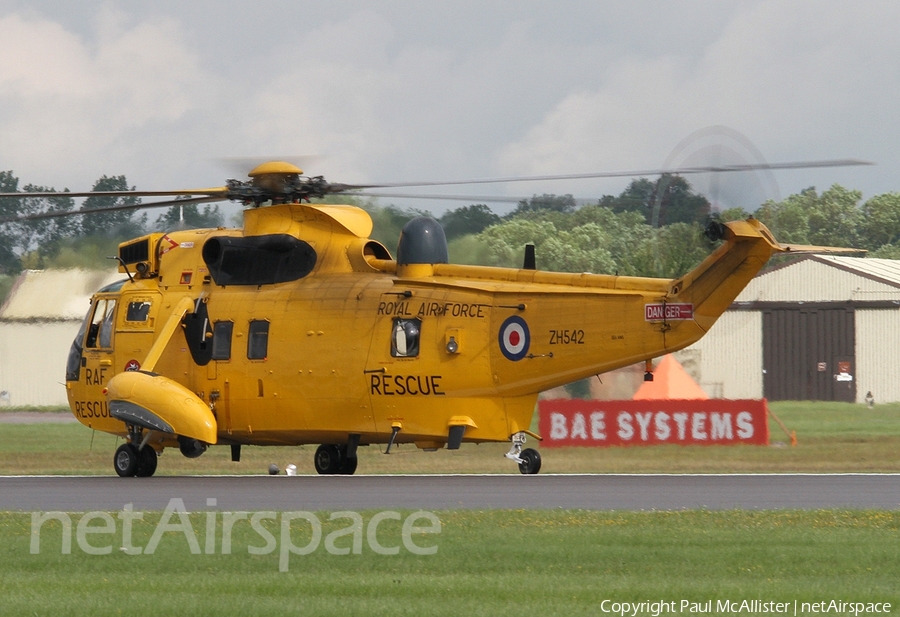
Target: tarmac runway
{"points": [[36, 417], [433, 492]]}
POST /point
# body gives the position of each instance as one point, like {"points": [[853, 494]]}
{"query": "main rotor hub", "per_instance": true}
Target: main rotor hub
{"points": [[275, 167], [276, 178]]}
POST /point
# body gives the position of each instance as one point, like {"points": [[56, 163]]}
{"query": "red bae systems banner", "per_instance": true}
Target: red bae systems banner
{"points": [[648, 422]]}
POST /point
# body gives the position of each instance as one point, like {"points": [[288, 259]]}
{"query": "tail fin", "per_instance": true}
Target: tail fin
{"points": [[713, 285]]}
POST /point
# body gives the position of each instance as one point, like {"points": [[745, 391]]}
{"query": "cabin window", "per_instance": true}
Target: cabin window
{"points": [[137, 311], [221, 348], [100, 331], [405, 338], [258, 343]]}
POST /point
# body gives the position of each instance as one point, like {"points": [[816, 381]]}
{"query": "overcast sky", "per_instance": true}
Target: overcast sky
{"points": [[402, 91]]}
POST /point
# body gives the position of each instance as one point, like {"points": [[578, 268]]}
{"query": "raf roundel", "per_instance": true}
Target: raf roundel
{"points": [[514, 338]]}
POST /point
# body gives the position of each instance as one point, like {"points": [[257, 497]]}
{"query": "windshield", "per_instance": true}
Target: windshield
{"points": [[73, 364]]}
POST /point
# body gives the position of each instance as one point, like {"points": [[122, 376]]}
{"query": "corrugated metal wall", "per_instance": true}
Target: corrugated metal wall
{"points": [[730, 357], [38, 321], [814, 281], [33, 361], [878, 355]]}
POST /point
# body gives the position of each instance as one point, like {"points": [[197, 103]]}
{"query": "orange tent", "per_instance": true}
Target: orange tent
{"points": [[670, 381]]}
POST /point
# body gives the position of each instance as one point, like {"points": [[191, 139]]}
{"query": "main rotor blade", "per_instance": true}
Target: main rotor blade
{"points": [[620, 174], [157, 204], [471, 198], [212, 191]]}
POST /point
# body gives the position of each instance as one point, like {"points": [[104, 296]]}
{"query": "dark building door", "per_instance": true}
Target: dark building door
{"points": [[808, 354]]}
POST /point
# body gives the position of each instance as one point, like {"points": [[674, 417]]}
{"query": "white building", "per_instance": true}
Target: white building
{"points": [[38, 322], [818, 328]]}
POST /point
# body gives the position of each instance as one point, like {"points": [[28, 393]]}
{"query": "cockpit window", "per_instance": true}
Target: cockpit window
{"points": [[100, 331], [137, 311]]}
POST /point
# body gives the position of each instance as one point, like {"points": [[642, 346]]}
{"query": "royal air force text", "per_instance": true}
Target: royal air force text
{"points": [[405, 308]]}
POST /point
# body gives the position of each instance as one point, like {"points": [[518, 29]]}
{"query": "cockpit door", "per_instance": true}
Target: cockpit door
{"points": [[96, 360], [135, 327]]}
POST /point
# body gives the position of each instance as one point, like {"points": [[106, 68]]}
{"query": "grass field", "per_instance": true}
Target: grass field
{"points": [[832, 437], [487, 563]]}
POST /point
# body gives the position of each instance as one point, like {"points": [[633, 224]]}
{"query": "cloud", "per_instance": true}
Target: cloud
{"points": [[69, 102], [395, 91], [801, 80], [323, 97]]}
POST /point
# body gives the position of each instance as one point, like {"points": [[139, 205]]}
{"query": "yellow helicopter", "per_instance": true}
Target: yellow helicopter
{"points": [[301, 329]]}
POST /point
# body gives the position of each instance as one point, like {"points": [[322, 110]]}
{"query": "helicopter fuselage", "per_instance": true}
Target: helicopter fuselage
{"points": [[300, 329]]}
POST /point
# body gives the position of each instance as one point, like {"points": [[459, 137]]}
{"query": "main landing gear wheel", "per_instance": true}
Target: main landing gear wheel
{"points": [[348, 465], [333, 460], [126, 460], [147, 460], [327, 459], [531, 461]]}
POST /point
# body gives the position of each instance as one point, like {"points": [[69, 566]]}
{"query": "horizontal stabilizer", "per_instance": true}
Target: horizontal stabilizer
{"points": [[808, 249]]}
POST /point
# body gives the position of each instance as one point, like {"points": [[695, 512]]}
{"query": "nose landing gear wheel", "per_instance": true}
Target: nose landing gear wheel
{"points": [[531, 461], [126, 460]]}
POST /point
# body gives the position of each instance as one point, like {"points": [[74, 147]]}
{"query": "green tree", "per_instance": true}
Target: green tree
{"points": [[736, 213], [683, 248], [671, 251], [41, 237], [625, 233], [9, 261], [597, 239], [471, 250], [670, 199], [554, 203], [836, 219], [886, 251], [507, 241], [190, 216], [678, 203], [467, 220], [637, 197], [830, 219], [880, 221], [88, 252], [583, 249], [388, 222], [788, 220], [118, 223]]}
